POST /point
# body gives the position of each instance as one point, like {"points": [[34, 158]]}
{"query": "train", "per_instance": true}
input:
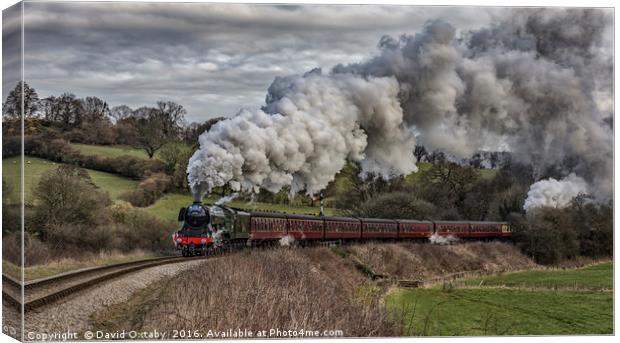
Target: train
{"points": [[208, 227]]}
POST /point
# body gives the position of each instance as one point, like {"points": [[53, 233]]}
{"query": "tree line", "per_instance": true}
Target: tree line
{"points": [[91, 120]]}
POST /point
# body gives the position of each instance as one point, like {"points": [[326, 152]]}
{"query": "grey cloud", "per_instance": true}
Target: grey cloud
{"points": [[137, 53]]}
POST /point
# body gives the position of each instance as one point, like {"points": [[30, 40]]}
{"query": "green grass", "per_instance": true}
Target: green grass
{"points": [[167, 208], [487, 173], [540, 302], [472, 312], [115, 185], [422, 168], [110, 150], [65, 265], [595, 277]]}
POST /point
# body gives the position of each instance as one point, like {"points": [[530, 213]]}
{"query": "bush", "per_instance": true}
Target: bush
{"points": [[176, 156], [87, 237], [148, 191], [139, 230], [11, 146], [35, 251], [67, 195], [11, 218], [549, 236]]}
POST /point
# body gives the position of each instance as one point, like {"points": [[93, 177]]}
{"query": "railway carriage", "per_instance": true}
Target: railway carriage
{"points": [[379, 228], [343, 228], [267, 226], [452, 228], [305, 227], [485, 229], [414, 228]]}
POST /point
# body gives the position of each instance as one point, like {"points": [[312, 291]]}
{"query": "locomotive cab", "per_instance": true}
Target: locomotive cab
{"points": [[196, 235]]}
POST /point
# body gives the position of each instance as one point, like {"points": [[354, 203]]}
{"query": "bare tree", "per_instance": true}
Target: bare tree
{"points": [[94, 109], [171, 117], [12, 106], [65, 110], [121, 112]]}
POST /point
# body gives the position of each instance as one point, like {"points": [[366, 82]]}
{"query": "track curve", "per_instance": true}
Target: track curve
{"points": [[40, 292]]}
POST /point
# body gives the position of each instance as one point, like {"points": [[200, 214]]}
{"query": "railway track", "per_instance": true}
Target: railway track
{"points": [[44, 291]]}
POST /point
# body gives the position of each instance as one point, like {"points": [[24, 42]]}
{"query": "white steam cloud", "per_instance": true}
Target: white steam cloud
{"points": [[554, 193], [305, 136], [287, 241], [538, 85], [226, 199], [442, 240]]}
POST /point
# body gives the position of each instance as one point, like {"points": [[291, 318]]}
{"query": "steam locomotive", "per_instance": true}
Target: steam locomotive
{"points": [[207, 227]]}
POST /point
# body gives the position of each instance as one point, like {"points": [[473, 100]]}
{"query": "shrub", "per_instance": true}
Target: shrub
{"points": [[176, 156], [11, 218], [549, 236], [67, 195], [88, 237], [148, 191], [35, 251], [139, 230], [11, 146]]}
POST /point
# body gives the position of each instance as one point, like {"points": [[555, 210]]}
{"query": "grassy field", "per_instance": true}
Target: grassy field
{"points": [[112, 183], [110, 150], [595, 277], [519, 310], [65, 265], [167, 208]]}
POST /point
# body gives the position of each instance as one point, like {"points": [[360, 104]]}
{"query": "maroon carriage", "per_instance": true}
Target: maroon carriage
{"points": [[486, 229], [379, 228], [303, 227], [414, 228], [450, 228], [267, 226], [342, 228]]}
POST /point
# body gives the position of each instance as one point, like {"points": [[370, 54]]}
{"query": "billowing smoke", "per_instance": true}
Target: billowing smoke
{"points": [[309, 128], [287, 241], [442, 240], [554, 193], [538, 85], [226, 199]]}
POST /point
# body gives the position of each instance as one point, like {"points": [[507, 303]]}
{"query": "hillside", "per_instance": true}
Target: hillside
{"points": [[109, 150], [542, 302], [35, 167], [318, 288]]}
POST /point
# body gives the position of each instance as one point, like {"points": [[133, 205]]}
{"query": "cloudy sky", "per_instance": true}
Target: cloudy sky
{"points": [[212, 58]]}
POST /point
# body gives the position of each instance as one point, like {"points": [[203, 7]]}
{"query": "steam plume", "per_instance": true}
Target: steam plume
{"points": [[554, 193], [538, 85], [304, 135], [442, 240], [226, 199]]}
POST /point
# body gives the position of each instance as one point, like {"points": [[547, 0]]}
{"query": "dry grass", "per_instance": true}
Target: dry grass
{"points": [[286, 289], [425, 261]]}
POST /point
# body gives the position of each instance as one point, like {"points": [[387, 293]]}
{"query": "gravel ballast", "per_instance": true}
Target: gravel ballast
{"points": [[71, 314]]}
